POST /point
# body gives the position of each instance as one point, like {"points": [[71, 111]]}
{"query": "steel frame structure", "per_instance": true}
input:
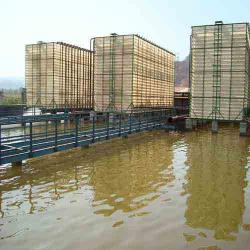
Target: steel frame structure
{"points": [[59, 76], [131, 72], [46, 134], [220, 71]]}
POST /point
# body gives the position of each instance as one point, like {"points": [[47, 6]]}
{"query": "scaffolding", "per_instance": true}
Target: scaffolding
{"points": [[131, 73], [219, 71], [59, 75]]}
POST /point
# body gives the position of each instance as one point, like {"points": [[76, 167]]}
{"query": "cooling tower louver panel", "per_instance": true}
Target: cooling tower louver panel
{"points": [[219, 71], [131, 73], [59, 75]]}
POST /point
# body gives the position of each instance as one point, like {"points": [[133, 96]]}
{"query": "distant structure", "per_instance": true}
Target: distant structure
{"points": [[181, 99], [23, 96], [220, 71], [132, 73], [58, 76], [1, 95]]}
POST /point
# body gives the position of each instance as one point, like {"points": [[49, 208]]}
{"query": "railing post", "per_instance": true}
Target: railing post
{"points": [[31, 139], [107, 121], [55, 148], [76, 130]]}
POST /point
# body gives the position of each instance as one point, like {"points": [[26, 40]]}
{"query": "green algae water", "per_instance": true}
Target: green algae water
{"points": [[154, 190]]}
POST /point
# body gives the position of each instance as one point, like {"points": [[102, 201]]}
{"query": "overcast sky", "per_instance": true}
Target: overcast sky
{"points": [[165, 22]]}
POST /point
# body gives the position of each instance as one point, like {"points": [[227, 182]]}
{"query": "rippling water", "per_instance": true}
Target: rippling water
{"points": [[151, 191]]}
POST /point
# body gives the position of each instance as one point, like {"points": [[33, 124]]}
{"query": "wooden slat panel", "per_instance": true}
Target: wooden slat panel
{"points": [[131, 72], [233, 66], [58, 75]]}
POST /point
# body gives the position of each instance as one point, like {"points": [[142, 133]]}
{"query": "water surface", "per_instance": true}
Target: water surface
{"points": [[153, 190]]}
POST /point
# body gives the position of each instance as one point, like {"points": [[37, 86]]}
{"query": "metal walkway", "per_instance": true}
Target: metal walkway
{"points": [[51, 135]]}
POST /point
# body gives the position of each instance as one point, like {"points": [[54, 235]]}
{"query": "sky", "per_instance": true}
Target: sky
{"points": [[165, 22]]}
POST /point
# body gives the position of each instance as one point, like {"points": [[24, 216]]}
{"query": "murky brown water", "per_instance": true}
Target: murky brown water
{"points": [[151, 191]]}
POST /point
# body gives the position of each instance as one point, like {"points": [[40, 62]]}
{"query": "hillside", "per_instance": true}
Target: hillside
{"points": [[182, 73]]}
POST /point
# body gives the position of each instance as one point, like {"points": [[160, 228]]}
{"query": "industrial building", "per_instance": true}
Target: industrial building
{"points": [[131, 73], [181, 100], [219, 71], [59, 76]]}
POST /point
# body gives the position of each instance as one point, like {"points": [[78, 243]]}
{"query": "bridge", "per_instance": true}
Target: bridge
{"points": [[26, 137]]}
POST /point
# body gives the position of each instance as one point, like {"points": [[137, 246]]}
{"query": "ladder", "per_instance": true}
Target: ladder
{"points": [[111, 106], [217, 71]]}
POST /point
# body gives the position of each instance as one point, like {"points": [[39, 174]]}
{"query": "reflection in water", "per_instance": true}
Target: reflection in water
{"points": [[1, 211], [131, 179], [216, 182], [125, 177], [169, 190]]}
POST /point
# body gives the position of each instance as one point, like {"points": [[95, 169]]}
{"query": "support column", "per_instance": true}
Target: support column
{"points": [[76, 130], [243, 128], [56, 135], [215, 126], [31, 140], [107, 125], [112, 120], [93, 119], [120, 124], [188, 124], [194, 123], [130, 123]]}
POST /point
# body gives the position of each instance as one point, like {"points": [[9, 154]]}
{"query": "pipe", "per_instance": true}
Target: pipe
{"points": [[174, 119]]}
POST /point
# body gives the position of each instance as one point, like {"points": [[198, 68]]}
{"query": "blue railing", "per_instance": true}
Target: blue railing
{"points": [[46, 134]]}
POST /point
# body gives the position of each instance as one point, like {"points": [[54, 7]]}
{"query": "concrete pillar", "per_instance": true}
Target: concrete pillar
{"points": [[243, 128], [215, 127], [111, 120], [194, 123], [188, 124]]}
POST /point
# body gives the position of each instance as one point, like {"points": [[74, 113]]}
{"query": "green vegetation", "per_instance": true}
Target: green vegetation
{"points": [[11, 97]]}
